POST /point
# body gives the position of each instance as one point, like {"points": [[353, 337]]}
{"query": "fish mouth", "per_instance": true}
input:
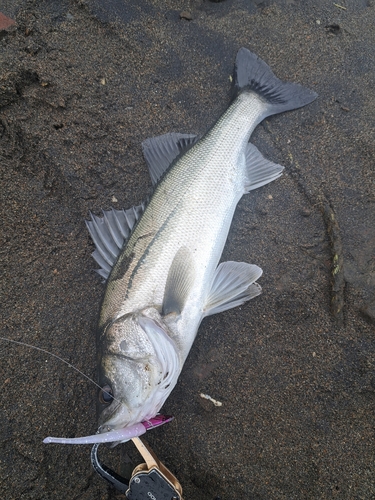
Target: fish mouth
{"points": [[117, 416]]}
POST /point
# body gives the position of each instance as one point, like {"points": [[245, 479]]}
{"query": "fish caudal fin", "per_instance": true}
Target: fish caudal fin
{"points": [[253, 74], [232, 285], [259, 170]]}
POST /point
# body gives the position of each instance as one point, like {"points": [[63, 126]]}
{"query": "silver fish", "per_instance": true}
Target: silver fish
{"points": [[161, 260]]}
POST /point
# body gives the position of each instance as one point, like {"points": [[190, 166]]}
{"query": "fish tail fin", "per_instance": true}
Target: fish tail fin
{"points": [[254, 75]]}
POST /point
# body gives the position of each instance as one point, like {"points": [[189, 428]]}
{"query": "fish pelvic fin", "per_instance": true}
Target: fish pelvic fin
{"points": [[233, 284], [253, 74], [259, 170], [109, 234]]}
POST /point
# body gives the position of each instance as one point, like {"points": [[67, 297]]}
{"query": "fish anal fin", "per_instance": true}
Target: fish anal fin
{"points": [[109, 234], [160, 151], [179, 282], [259, 170], [232, 285]]}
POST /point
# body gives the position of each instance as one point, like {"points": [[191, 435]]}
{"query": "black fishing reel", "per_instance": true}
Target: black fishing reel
{"points": [[149, 481]]}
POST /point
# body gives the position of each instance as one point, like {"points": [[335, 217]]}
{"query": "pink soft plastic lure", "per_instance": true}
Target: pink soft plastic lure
{"points": [[121, 435]]}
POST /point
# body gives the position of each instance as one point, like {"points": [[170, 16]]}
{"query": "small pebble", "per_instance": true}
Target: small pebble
{"points": [[368, 312], [186, 15], [5, 22]]}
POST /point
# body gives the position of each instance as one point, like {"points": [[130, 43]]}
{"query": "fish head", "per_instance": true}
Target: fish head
{"points": [[139, 365]]}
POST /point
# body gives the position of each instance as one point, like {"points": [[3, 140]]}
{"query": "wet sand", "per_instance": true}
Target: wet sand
{"points": [[81, 85]]}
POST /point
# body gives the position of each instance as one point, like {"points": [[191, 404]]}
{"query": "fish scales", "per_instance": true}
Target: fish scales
{"points": [[210, 174]]}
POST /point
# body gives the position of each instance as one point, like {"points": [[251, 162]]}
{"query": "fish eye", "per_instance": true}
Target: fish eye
{"points": [[106, 395]]}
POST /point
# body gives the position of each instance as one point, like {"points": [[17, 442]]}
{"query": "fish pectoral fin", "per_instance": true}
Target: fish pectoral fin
{"points": [[109, 233], [179, 282], [159, 152], [232, 285], [259, 170]]}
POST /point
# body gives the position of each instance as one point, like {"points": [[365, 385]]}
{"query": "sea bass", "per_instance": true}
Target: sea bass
{"points": [[161, 260]]}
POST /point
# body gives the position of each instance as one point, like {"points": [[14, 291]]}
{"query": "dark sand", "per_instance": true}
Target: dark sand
{"points": [[81, 85]]}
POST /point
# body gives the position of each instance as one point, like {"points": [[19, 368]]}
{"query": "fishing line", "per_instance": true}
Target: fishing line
{"points": [[60, 359]]}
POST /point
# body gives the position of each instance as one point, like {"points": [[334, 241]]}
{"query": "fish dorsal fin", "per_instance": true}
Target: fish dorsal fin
{"points": [[232, 285], [259, 171], [180, 279], [109, 233], [159, 152]]}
